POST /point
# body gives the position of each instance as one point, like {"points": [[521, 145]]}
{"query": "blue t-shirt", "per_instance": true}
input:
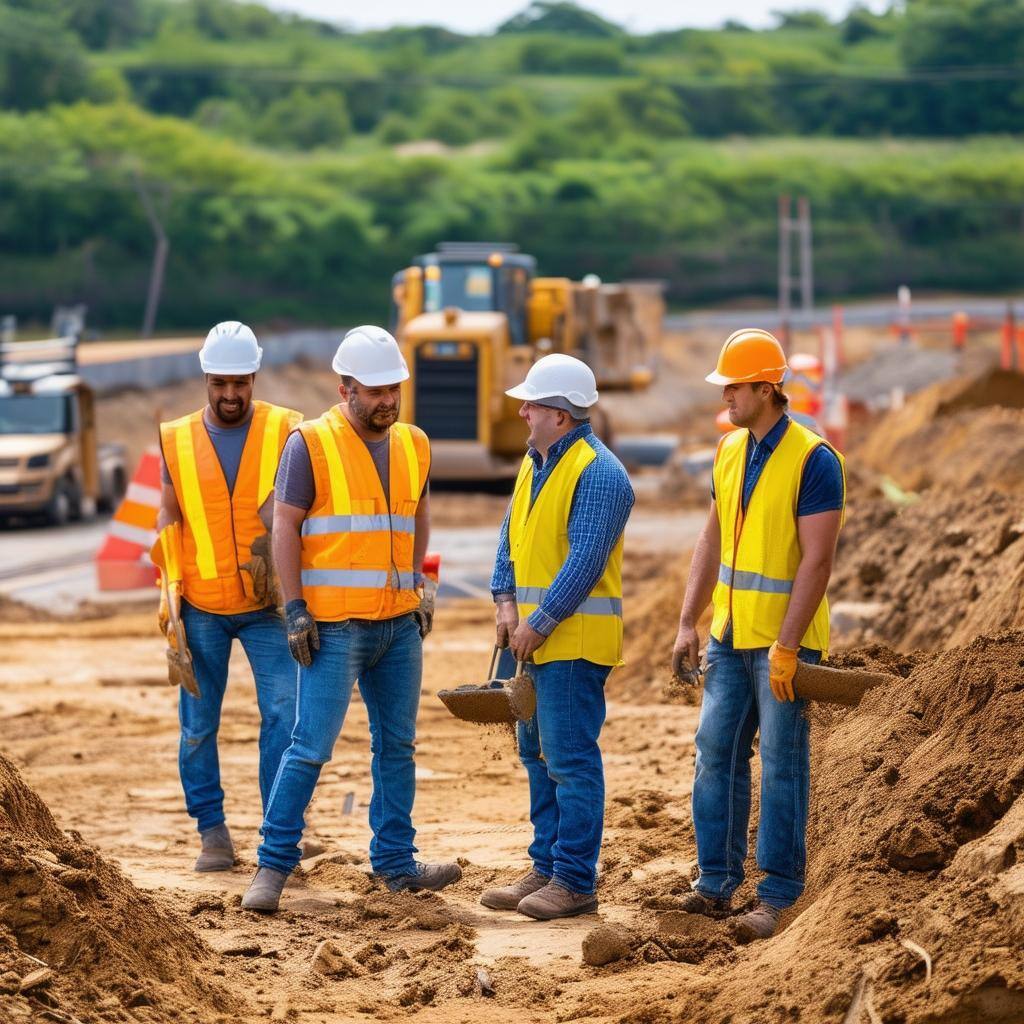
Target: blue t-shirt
{"points": [[821, 489], [228, 443]]}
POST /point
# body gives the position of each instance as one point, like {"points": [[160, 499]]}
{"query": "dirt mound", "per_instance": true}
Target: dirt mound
{"points": [[106, 946], [651, 621], [959, 434], [934, 574], [915, 888]]}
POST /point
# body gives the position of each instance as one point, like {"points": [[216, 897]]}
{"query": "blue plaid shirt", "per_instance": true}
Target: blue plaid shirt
{"points": [[597, 517]]}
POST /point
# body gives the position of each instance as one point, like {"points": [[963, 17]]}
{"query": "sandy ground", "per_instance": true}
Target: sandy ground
{"points": [[88, 718]]}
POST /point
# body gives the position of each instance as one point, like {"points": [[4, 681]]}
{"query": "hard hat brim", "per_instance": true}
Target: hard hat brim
{"points": [[527, 394], [382, 379], [762, 376], [234, 370]]}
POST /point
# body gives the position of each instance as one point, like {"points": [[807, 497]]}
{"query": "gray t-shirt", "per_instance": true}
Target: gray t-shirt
{"points": [[228, 443], [295, 485]]}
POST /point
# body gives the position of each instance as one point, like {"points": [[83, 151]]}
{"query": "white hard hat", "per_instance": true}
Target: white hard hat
{"points": [[372, 356], [558, 376], [230, 348]]}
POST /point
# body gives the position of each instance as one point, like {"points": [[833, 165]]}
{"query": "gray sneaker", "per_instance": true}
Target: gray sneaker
{"points": [[428, 876], [264, 892], [555, 900], [218, 853], [509, 897], [759, 923], [707, 906]]}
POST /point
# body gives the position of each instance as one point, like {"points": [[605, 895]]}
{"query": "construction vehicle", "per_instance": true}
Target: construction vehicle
{"points": [[472, 317], [51, 463]]}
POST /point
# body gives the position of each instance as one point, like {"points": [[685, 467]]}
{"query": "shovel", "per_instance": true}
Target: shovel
{"points": [[496, 702], [843, 686], [180, 671]]}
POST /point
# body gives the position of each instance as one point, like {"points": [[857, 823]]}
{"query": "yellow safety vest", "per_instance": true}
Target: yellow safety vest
{"points": [[539, 545], [357, 547], [218, 526], [761, 549]]}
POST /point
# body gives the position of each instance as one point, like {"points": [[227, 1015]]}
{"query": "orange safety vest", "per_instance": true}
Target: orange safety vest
{"points": [[219, 526], [357, 546]]}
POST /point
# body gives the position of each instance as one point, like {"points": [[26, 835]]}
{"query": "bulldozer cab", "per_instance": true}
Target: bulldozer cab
{"points": [[473, 277]]}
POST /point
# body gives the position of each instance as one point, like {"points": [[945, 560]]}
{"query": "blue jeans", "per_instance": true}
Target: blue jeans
{"points": [[558, 748], [738, 702], [386, 656], [265, 644]]}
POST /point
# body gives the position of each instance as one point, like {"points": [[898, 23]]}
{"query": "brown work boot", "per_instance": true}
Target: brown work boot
{"points": [[509, 897], [554, 900], [707, 906], [759, 923]]}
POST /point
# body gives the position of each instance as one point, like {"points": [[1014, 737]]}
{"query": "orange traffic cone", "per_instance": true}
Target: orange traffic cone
{"points": [[123, 562]]}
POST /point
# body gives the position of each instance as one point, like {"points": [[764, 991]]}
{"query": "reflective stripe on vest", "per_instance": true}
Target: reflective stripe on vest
{"points": [[318, 526], [753, 581], [348, 578], [590, 605], [269, 453], [195, 510]]}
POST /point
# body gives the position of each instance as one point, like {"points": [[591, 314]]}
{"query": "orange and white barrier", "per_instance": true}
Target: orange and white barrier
{"points": [[123, 562]]}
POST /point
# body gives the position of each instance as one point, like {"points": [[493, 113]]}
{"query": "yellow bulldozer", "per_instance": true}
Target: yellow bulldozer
{"points": [[472, 317]]}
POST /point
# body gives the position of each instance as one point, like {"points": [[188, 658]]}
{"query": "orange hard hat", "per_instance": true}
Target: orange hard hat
{"points": [[749, 356]]}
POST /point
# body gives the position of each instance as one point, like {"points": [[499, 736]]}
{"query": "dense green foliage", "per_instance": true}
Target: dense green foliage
{"points": [[266, 144]]}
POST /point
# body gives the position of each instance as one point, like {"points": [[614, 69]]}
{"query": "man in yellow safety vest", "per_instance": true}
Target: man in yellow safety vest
{"points": [[213, 550], [352, 522], [763, 559], [559, 567]]}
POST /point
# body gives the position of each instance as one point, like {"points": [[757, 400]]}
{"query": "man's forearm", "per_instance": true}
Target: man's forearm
{"points": [[420, 543], [809, 586], [700, 583], [287, 547]]}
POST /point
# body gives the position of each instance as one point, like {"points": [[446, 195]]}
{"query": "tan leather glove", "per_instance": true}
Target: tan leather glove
{"points": [[261, 570]]}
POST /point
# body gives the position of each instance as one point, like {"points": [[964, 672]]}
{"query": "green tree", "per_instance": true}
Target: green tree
{"points": [[302, 120], [40, 62], [555, 16], [546, 55]]}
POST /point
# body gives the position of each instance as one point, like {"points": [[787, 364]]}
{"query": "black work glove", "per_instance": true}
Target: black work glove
{"points": [[424, 614], [303, 637]]}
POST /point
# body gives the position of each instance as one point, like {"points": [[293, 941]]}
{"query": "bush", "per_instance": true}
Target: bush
{"points": [[546, 56], [302, 120]]}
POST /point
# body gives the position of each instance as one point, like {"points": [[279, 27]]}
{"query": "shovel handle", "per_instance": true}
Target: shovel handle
{"points": [[519, 667], [494, 661]]}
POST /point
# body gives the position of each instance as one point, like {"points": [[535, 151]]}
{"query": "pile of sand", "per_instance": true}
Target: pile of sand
{"points": [[915, 885], [963, 434], [107, 947], [936, 573]]}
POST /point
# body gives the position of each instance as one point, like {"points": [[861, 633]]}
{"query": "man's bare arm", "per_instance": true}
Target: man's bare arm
{"points": [[287, 548], [700, 585], [419, 547], [818, 535], [169, 510]]}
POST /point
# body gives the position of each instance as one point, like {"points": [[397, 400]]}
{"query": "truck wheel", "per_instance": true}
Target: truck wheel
{"points": [[65, 504], [108, 502]]}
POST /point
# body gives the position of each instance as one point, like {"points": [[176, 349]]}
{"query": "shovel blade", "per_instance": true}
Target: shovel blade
{"points": [[843, 686], [180, 672]]}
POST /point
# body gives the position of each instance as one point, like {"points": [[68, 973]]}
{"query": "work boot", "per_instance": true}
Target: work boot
{"points": [[759, 923], [510, 896], [427, 876], [218, 853], [555, 900], [264, 892], [695, 902]]}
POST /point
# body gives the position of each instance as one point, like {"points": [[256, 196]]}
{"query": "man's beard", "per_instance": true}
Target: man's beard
{"points": [[227, 414], [377, 420]]}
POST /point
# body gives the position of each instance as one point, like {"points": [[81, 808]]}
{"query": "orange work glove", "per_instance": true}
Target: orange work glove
{"points": [[781, 669]]}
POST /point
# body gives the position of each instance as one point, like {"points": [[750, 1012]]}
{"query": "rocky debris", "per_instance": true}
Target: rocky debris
{"points": [[330, 959], [609, 942]]}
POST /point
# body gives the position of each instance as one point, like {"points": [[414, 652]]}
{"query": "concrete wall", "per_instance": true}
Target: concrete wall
{"points": [[318, 346]]}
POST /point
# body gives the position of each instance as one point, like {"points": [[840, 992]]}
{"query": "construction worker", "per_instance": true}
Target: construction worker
{"points": [[763, 558], [215, 519], [352, 521], [557, 585]]}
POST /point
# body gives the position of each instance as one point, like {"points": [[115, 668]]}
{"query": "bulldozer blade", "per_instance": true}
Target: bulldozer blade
{"points": [[843, 686]]}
